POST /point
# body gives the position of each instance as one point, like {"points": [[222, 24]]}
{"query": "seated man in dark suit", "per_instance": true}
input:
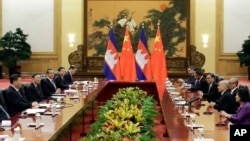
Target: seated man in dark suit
{"points": [[14, 100], [34, 92], [226, 102], [200, 82], [68, 78], [48, 85], [191, 79], [233, 86], [212, 94], [59, 80]]}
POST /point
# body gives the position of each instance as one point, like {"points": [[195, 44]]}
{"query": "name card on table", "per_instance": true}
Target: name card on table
{"points": [[34, 111]]}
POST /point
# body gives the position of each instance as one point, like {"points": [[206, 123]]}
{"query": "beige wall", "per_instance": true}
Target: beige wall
{"points": [[72, 22], [204, 13]]}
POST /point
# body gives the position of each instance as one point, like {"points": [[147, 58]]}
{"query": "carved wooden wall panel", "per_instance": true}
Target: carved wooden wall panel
{"points": [[89, 67]]}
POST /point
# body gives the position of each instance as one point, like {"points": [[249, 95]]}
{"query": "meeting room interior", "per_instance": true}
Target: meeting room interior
{"points": [[124, 70]]}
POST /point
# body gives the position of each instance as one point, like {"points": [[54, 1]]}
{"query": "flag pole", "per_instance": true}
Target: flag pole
{"points": [[142, 25], [158, 24]]}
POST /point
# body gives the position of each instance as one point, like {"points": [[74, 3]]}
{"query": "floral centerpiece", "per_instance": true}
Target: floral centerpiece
{"points": [[127, 116]]}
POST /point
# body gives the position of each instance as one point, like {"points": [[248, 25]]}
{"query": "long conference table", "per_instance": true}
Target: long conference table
{"points": [[176, 130]]}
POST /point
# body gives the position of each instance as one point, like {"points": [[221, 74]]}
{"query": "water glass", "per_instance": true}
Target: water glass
{"points": [[185, 110], [192, 116], [200, 132]]}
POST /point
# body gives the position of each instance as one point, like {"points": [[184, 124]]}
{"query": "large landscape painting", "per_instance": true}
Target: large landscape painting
{"points": [[104, 14]]}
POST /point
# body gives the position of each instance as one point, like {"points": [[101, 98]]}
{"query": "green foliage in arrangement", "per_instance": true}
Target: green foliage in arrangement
{"points": [[244, 54], [127, 116]]}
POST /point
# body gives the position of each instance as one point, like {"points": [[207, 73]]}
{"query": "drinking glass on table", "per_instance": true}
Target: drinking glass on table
{"points": [[185, 111], [192, 116], [200, 132]]}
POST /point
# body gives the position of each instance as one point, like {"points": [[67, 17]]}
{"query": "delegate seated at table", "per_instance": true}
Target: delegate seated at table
{"points": [[200, 82], [191, 79], [226, 102], [14, 100], [212, 94], [34, 92], [242, 117], [48, 85]]}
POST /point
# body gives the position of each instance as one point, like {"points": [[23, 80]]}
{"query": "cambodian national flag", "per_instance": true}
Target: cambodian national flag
{"points": [[111, 67], [143, 65]]}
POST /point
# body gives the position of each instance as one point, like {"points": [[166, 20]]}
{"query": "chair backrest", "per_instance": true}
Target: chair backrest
{"points": [[24, 90], [2, 99]]}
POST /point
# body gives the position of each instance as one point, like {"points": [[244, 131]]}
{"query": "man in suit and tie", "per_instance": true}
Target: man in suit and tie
{"points": [[233, 85], [226, 102], [14, 100], [68, 78], [48, 85], [200, 82], [59, 79], [191, 79], [212, 94], [34, 92]]}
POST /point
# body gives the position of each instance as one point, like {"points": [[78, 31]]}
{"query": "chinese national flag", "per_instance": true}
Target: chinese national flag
{"points": [[158, 62], [127, 60]]}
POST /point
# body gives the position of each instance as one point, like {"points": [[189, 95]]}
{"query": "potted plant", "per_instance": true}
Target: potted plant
{"points": [[13, 48], [244, 55]]}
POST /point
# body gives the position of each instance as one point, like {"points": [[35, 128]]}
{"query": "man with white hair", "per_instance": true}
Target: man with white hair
{"points": [[233, 85], [227, 101]]}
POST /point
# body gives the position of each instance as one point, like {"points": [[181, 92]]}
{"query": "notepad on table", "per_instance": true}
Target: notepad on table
{"points": [[6, 123], [3, 137]]}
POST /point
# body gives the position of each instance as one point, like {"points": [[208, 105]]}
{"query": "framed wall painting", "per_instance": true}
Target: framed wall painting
{"points": [[101, 15]]}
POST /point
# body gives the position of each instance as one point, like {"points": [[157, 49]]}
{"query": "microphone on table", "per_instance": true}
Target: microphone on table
{"points": [[189, 102]]}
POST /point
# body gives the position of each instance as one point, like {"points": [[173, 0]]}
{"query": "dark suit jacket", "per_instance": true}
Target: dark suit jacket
{"points": [[212, 94], [47, 87], [226, 103], [60, 83], [68, 78], [33, 94], [235, 92], [201, 85], [236, 104], [15, 102], [191, 80]]}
